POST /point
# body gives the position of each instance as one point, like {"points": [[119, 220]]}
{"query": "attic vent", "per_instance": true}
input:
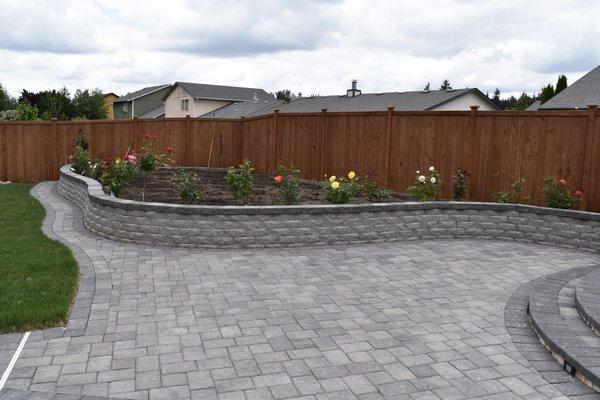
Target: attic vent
{"points": [[354, 91]]}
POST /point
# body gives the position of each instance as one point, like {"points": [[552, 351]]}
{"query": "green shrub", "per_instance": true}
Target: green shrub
{"points": [[336, 191], [80, 161], [460, 184], [240, 181], [288, 183], [373, 193], [188, 184], [425, 187], [515, 195], [119, 173], [555, 194]]}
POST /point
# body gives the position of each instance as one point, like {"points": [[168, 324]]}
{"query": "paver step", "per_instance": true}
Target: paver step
{"points": [[587, 299], [556, 320]]}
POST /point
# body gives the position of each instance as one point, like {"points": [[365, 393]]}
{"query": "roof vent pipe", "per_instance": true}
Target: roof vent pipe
{"points": [[354, 91]]}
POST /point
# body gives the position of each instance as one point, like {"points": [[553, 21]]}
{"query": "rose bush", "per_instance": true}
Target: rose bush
{"points": [[556, 194], [288, 183], [460, 184], [240, 181], [515, 194], [425, 187], [189, 186], [339, 191]]}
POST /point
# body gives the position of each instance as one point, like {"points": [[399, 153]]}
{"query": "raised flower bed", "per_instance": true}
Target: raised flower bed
{"points": [[318, 224]]}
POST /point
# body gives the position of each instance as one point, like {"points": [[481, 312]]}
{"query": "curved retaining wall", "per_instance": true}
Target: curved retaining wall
{"points": [[276, 226]]}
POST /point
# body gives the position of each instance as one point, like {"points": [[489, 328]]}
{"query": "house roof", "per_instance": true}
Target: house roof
{"points": [[104, 95], [534, 106], [141, 93], [218, 92], [246, 109], [402, 101], [579, 94], [155, 112]]}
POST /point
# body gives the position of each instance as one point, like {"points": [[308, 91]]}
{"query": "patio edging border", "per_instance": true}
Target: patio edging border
{"points": [[275, 226]]}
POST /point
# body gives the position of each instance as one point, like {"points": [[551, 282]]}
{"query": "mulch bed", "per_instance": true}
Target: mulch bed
{"points": [[159, 188]]}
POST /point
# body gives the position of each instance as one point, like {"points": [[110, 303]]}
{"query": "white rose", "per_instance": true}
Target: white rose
{"points": [[422, 179], [432, 179], [431, 168], [418, 172]]}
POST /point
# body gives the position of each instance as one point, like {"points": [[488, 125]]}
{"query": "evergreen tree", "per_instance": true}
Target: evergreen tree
{"points": [[89, 104], [56, 104], [547, 93], [446, 85], [6, 101], [561, 84], [523, 102], [285, 95], [496, 98]]}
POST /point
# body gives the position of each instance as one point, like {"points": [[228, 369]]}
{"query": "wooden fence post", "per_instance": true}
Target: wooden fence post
{"points": [[322, 144], [189, 143], [388, 145], [241, 143], [588, 156], [56, 149], [274, 142], [470, 146], [134, 130]]}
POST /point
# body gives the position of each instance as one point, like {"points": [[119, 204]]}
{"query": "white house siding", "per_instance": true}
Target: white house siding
{"points": [[202, 107], [196, 108], [464, 102]]}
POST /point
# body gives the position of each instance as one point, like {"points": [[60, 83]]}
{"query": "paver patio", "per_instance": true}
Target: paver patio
{"points": [[405, 320]]}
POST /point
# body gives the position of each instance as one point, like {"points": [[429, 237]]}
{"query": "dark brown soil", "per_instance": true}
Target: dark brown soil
{"points": [[159, 188]]}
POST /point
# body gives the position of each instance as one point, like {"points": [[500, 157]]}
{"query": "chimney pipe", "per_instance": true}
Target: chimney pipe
{"points": [[354, 91]]}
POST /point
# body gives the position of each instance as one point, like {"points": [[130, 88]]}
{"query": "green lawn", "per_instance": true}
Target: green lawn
{"points": [[38, 276]]}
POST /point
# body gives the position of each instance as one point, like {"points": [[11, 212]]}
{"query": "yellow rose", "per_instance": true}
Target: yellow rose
{"points": [[351, 175], [119, 161], [335, 185], [332, 178]]}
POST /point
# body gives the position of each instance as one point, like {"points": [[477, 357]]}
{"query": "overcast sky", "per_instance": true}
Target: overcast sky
{"points": [[308, 46]]}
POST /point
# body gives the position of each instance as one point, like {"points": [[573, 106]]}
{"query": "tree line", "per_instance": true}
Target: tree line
{"points": [[49, 104], [525, 99]]}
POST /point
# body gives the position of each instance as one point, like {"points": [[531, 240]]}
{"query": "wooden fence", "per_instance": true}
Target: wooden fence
{"points": [[496, 146]]}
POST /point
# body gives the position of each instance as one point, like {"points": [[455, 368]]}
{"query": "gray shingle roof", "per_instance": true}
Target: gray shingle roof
{"points": [[218, 92], [579, 94], [155, 112], [533, 106], [402, 101], [246, 109], [140, 93]]}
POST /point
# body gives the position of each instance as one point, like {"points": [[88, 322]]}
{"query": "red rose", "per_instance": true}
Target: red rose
{"points": [[578, 194], [278, 179], [562, 182], [170, 149], [147, 137]]}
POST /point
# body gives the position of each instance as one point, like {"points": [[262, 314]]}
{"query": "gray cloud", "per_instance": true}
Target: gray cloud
{"points": [[308, 46]]}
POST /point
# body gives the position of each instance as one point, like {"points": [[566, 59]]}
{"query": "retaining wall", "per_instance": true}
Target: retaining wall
{"points": [[277, 226]]}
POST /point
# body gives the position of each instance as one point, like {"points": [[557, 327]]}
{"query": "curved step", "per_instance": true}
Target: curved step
{"points": [[563, 340], [587, 300]]}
